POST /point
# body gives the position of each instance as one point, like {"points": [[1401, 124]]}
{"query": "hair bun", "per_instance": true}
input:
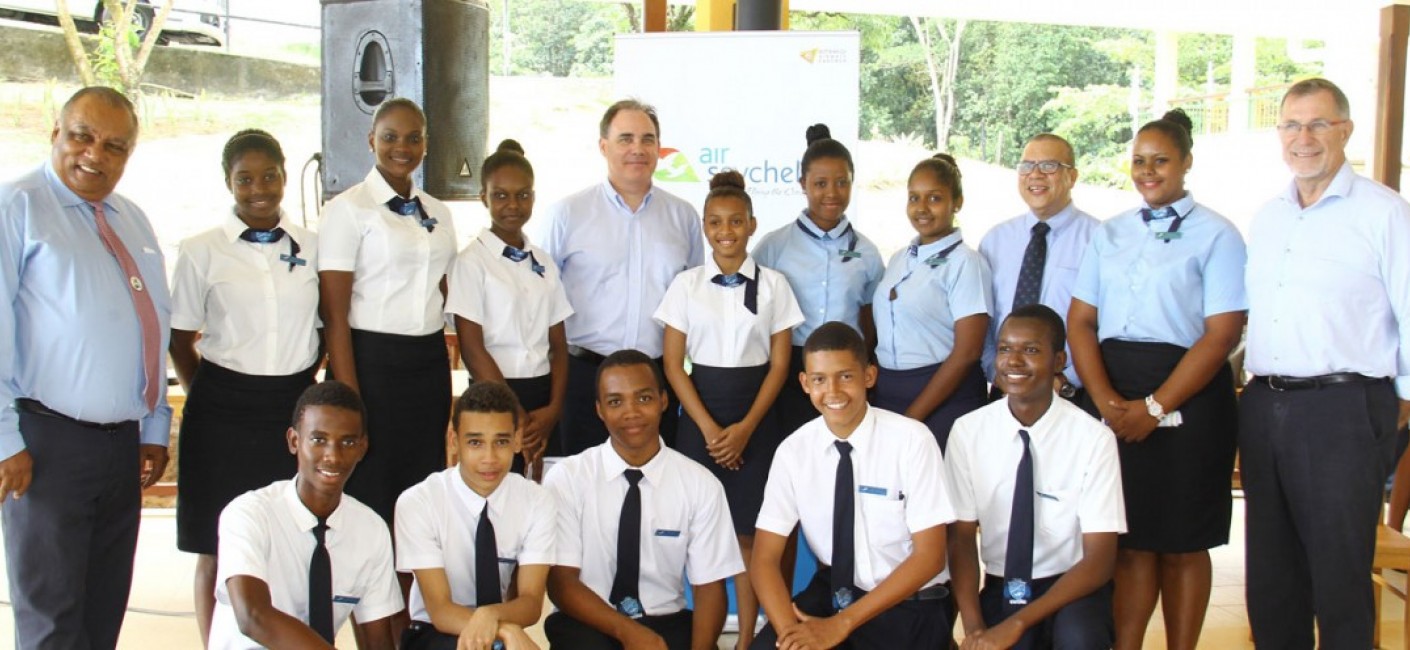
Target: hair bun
{"points": [[509, 144], [1178, 116], [818, 132], [949, 160], [727, 178]]}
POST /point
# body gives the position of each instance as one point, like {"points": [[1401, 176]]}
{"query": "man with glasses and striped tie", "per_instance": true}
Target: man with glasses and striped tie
{"points": [[84, 422], [1034, 256]]}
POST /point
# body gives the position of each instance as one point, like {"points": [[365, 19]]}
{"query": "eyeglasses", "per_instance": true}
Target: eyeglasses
{"points": [[1315, 127], [1046, 166]]}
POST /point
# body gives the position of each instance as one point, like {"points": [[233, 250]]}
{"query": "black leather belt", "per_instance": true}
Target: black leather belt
{"points": [[585, 354], [1281, 382], [35, 407], [935, 592]]}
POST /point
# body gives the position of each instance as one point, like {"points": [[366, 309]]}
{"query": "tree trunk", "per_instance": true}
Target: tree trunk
{"points": [[952, 68], [149, 41], [75, 44], [931, 69]]}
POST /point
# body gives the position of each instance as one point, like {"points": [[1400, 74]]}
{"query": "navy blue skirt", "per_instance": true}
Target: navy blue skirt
{"points": [[232, 440], [728, 394], [896, 389]]}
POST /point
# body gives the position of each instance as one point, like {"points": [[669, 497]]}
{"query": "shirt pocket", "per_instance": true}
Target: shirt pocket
{"points": [[884, 518], [667, 537], [1057, 514]]}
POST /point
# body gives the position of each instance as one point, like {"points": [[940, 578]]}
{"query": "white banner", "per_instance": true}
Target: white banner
{"points": [[742, 100]]}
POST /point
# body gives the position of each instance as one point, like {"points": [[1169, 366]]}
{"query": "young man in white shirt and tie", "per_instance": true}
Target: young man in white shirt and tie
{"points": [[1043, 481]]}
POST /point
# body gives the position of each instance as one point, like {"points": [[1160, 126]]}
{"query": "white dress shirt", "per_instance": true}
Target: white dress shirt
{"points": [[1003, 248], [436, 522], [901, 490], [396, 264], [1076, 474], [511, 301], [257, 311], [685, 524], [1329, 285], [268, 534], [616, 264], [719, 330]]}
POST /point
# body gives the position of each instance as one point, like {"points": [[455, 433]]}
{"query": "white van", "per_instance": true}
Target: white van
{"points": [[194, 22]]}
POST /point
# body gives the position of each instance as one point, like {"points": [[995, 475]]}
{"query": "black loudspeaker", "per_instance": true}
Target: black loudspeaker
{"points": [[435, 52]]}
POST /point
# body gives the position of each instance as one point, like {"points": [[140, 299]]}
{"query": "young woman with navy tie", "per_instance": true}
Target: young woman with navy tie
{"points": [[732, 318], [1158, 306], [932, 309], [244, 344], [385, 247], [831, 267], [509, 304]]}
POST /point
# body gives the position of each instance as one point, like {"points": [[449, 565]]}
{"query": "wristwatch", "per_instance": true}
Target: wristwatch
{"points": [[1154, 408]]}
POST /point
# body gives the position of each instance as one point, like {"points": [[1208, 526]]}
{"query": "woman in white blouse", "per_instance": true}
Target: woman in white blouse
{"points": [[385, 247]]}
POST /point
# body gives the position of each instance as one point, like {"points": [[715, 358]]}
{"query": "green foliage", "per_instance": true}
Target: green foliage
{"points": [[103, 57], [1097, 117]]}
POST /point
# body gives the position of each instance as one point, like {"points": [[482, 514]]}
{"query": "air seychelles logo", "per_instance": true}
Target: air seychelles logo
{"points": [[675, 168], [765, 176]]}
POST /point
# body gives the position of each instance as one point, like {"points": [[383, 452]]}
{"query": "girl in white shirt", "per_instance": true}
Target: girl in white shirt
{"points": [[509, 304], [385, 247], [734, 320], [248, 291]]}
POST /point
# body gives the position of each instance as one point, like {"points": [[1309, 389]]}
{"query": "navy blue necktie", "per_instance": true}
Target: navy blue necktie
{"points": [[487, 590], [751, 288], [320, 584], [844, 554], [1018, 557], [1030, 274], [412, 208], [518, 255], [625, 585], [1148, 215], [851, 235]]}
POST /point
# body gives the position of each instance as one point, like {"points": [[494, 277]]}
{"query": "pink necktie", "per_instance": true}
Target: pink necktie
{"points": [[141, 301]]}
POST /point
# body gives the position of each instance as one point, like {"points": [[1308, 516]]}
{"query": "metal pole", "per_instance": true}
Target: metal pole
{"points": [[759, 15]]}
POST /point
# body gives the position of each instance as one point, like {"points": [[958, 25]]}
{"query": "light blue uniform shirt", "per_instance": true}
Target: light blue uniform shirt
{"points": [[71, 338], [827, 289], [1329, 284], [616, 264], [1003, 248], [934, 285], [1160, 290]]}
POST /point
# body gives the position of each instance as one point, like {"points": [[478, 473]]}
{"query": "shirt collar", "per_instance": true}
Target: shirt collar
{"points": [[1047, 422], [834, 234], [382, 192], [494, 243], [616, 197], [613, 465], [926, 250], [1183, 207], [67, 198], [472, 501], [1340, 186], [860, 437], [749, 268], [1056, 222], [303, 518], [233, 227]]}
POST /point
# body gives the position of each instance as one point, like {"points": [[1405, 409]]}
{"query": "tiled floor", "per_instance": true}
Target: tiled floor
{"points": [[160, 615]]}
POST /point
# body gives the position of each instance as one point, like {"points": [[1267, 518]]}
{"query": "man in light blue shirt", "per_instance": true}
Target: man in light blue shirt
{"points": [[83, 391], [618, 245], [1046, 175], [1329, 346]]}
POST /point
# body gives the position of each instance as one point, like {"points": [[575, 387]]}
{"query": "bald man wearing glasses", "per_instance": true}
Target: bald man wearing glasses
{"points": [[1328, 281], [1034, 256]]}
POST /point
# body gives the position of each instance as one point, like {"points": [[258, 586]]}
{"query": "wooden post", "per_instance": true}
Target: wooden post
{"points": [[714, 15], [1390, 95], [655, 12]]}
